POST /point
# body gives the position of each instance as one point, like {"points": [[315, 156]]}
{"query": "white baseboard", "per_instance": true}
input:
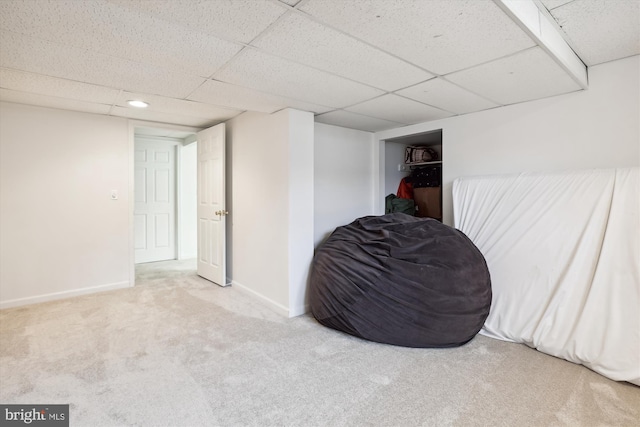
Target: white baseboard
{"points": [[279, 308], [62, 295]]}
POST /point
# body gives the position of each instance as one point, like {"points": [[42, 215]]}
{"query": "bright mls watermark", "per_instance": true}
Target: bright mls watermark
{"points": [[34, 415]]}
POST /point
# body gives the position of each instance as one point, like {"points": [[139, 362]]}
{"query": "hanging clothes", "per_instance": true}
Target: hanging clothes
{"points": [[405, 189]]}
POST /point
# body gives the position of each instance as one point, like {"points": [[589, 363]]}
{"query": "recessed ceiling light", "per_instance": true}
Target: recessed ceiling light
{"points": [[138, 104]]}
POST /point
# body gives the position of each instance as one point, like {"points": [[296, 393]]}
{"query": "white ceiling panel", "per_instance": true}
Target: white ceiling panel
{"points": [[267, 73], [601, 30], [178, 106], [53, 86], [52, 102], [160, 117], [442, 94], [220, 93], [240, 20], [398, 109], [120, 32], [356, 121], [300, 39], [43, 57], [527, 75], [439, 35]]}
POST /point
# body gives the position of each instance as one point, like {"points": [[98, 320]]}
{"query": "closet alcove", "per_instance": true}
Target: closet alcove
{"points": [[424, 177]]}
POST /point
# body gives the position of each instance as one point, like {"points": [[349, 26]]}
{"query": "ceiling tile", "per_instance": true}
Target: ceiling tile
{"points": [[442, 94], [398, 109], [601, 30], [52, 102], [120, 32], [356, 121], [278, 76], [220, 93], [301, 39], [42, 57], [170, 118], [163, 104], [439, 35], [53, 86], [525, 76], [240, 20]]}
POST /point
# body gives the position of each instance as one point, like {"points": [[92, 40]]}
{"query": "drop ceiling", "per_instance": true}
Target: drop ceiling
{"points": [[364, 64]]}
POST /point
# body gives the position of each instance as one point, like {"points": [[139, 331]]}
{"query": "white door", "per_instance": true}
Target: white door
{"points": [[211, 205], [155, 201]]}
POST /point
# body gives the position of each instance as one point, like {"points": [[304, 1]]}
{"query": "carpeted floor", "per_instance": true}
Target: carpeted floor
{"points": [[176, 350]]}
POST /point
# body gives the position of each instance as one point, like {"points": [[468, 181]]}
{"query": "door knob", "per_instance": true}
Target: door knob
{"points": [[222, 213]]}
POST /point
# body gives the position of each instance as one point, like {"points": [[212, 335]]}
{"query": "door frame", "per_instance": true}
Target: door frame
{"points": [[175, 144], [133, 124]]}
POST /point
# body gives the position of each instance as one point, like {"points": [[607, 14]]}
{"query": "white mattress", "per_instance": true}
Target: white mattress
{"points": [[563, 250]]}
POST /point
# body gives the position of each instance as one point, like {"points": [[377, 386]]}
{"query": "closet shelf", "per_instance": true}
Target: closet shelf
{"points": [[435, 162]]}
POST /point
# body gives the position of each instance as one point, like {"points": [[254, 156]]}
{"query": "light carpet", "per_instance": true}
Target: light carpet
{"points": [[176, 350]]}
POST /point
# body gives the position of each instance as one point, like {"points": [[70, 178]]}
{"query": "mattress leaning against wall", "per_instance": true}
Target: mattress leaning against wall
{"points": [[563, 251]]}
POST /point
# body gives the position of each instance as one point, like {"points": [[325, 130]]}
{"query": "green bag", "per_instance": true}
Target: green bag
{"points": [[396, 204]]}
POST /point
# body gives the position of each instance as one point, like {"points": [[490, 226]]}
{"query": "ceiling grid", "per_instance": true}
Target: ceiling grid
{"points": [[364, 64]]}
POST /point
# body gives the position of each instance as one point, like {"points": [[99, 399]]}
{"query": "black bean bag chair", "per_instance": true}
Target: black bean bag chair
{"points": [[401, 280]]}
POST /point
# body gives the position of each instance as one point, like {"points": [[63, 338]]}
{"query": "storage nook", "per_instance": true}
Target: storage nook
{"points": [[413, 173]]}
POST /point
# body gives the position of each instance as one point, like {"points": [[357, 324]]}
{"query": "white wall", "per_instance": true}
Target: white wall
{"points": [[343, 177], [187, 197], [394, 155], [268, 207], [301, 203], [61, 234], [596, 128]]}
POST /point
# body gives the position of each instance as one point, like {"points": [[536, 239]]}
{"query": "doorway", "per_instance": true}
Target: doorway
{"points": [[198, 189], [164, 195]]}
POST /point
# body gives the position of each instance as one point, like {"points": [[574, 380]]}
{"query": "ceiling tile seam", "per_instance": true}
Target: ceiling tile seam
{"points": [[56, 97], [306, 66], [57, 108], [492, 60], [178, 115], [275, 22], [120, 90], [361, 102], [287, 98], [301, 3], [226, 64], [160, 124], [424, 103], [486, 98], [452, 83], [115, 101], [539, 99], [415, 84], [375, 117], [378, 48], [360, 114], [57, 78], [284, 5]]}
